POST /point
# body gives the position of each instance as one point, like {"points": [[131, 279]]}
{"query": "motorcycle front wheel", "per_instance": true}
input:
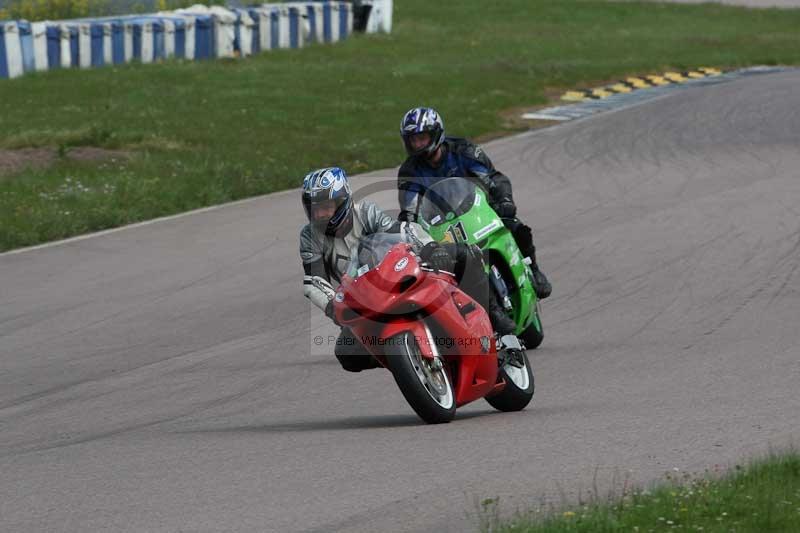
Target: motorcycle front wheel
{"points": [[425, 384], [519, 388]]}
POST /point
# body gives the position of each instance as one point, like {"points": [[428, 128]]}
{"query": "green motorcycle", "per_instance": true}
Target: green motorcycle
{"points": [[456, 210]]}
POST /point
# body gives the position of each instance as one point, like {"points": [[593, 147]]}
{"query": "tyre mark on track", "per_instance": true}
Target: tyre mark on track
{"points": [[567, 298], [132, 377], [36, 446], [35, 316], [770, 279], [601, 306], [793, 254], [678, 293], [151, 302]]}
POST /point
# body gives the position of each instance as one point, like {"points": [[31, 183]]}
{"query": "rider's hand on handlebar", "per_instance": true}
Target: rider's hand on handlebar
{"points": [[506, 209], [437, 257], [330, 314]]}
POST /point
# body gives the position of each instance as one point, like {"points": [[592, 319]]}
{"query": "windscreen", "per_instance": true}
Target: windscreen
{"points": [[446, 200], [370, 252]]}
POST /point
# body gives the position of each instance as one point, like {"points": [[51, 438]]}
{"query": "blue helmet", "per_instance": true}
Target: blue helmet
{"points": [[328, 201], [422, 120]]}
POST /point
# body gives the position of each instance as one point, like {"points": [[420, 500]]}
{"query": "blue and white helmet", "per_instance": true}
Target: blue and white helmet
{"points": [[422, 120], [328, 201]]}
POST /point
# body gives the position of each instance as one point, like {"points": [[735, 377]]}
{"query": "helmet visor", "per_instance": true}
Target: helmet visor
{"points": [[418, 143], [321, 212]]}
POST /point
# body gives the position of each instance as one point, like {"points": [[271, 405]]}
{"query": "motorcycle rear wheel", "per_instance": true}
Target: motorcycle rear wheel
{"points": [[428, 390], [519, 389]]}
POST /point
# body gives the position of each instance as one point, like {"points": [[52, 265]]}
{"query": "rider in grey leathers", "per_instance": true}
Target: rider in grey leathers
{"points": [[335, 226]]}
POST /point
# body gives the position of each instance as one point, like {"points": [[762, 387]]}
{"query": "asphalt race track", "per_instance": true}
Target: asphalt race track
{"points": [[164, 377]]}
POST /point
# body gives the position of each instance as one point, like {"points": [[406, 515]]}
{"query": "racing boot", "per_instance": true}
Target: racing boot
{"points": [[524, 238], [540, 283], [501, 322]]}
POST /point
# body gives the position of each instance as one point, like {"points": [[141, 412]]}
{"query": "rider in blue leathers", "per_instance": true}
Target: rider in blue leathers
{"points": [[433, 156]]}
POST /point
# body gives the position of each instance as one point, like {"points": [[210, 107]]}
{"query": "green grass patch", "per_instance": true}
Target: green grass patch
{"points": [[210, 132], [761, 497]]}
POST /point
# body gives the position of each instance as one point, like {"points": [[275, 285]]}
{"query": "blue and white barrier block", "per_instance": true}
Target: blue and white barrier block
{"points": [[310, 21], [203, 36], [39, 32], [172, 35], [185, 50], [331, 22], [262, 34], [215, 28], [98, 33], [289, 26], [315, 18], [313, 15], [26, 45], [198, 32], [380, 16], [179, 36], [11, 64], [298, 27], [345, 20], [143, 42], [121, 41], [225, 31], [53, 36], [273, 25], [280, 25], [245, 27], [70, 46]]}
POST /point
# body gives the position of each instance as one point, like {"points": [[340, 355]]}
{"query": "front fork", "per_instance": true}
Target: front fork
{"points": [[500, 288], [503, 294]]}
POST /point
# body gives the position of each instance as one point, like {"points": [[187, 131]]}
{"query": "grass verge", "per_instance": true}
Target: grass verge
{"points": [[210, 132], [763, 496]]}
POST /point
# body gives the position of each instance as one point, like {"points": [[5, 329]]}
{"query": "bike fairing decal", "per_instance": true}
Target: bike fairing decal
{"points": [[493, 225], [456, 233]]}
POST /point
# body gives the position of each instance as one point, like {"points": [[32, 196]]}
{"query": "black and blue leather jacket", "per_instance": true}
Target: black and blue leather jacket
{"points": [[461, 158]]}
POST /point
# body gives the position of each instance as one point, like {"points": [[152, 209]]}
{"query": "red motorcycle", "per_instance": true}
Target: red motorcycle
{"points": [[436, 340]]}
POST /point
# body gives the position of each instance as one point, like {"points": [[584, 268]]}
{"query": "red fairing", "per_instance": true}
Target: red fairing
{"points": [[478, 365], [382, 289], [390, 299]]}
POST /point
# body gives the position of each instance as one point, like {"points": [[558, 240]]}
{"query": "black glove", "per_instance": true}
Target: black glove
{"points": [[330, 314], [437, 257], [505, 208]]}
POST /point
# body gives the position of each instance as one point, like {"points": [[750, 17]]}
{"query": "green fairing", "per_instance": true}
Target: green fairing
{"points": [[481, 225]]}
